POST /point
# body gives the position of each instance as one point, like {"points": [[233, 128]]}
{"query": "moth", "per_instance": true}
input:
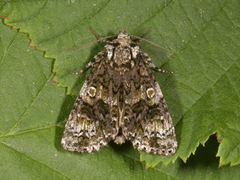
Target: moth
{"points": [[120, 100]]}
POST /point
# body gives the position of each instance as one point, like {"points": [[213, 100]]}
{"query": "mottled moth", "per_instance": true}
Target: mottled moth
{"points": [[120, 100]]}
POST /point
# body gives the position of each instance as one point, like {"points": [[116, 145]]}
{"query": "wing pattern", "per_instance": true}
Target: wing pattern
{"points": [[120, 100]]}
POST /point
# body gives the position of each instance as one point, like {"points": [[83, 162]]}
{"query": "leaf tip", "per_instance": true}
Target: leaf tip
{"points": [[53, 79], [4, 17], [147, 166]]}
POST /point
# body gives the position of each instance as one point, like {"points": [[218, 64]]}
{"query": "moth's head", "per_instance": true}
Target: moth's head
{"points": [[123, 38]]}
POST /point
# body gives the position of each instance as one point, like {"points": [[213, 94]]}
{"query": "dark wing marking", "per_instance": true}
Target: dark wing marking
{"points": [[91, 123], [147, 122]]}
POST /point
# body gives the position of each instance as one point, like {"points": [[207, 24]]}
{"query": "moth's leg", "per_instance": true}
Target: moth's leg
{"points": [[90, 64], [143, 36], [148, 60], [159, 70]]}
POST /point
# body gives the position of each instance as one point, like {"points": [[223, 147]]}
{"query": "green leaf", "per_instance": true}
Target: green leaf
{"points": [[202, 94]]}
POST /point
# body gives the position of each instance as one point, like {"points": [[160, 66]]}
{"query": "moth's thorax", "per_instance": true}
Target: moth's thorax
{"points": [[122, 53], [122, 56]]}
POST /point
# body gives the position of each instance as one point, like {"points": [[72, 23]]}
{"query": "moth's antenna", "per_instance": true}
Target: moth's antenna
{"points": [[143, 36], [146, 33], [94, 33], [142, 39], [105, 40], [101, 39]]}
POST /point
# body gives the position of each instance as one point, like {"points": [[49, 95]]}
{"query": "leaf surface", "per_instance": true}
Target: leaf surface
{"points": [[202, 94]]}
